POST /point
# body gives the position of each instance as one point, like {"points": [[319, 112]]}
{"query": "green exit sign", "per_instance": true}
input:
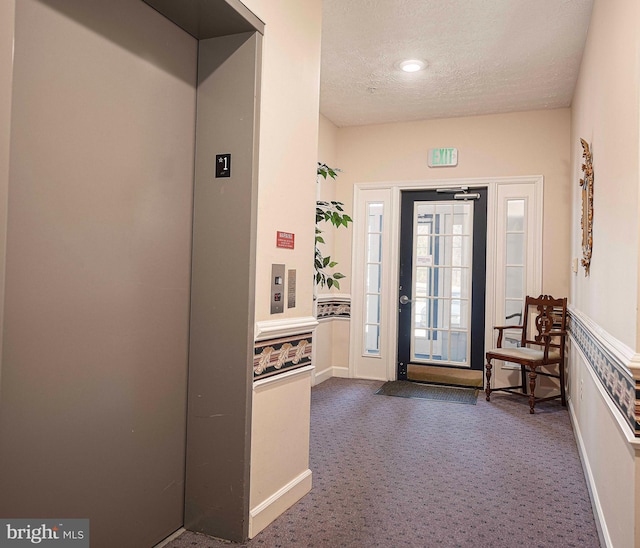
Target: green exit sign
{"points": [[443, 157]]}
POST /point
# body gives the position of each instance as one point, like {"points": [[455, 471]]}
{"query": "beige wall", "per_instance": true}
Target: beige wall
{"points": [[326, 191], [286, 391], [286, 198], [288, 145], [322, 351], [7, 14], [340, 347], [327, 141], [606, 114], [524, 143], [332, 336], [280, 446]]}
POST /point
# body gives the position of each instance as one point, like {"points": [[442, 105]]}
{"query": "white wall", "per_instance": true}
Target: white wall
{"points": [[606, 113]]}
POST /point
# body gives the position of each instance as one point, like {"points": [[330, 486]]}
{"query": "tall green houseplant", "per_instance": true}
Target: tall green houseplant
{"points": [[330, 212]]}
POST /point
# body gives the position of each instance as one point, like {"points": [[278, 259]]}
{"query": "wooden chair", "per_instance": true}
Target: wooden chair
{"points": [[541, 347]]}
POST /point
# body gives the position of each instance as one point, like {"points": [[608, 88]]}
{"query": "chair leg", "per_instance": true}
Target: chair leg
{"points": [[523, 376], [563, 395], [487, 389], [532, 390]]}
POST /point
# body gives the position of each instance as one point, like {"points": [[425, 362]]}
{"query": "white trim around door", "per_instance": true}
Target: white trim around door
{"points": [[364, 361]]}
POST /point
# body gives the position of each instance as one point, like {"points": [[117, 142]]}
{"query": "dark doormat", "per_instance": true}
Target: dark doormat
{"points": [[408, 389]]}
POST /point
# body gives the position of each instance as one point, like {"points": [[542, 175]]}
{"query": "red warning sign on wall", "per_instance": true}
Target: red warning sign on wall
{"points": [[285, 240]]}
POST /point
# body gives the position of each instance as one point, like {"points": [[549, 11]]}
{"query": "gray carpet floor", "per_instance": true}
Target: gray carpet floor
{"points": [[400, 472]]}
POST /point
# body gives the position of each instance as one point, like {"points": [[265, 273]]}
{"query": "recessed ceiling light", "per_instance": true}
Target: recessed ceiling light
{"points": [[412, 65]]}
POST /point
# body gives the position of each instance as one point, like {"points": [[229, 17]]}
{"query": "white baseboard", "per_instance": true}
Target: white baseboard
{"points": [[341, 372], [601, 525], [322, 376], [263, 514]]}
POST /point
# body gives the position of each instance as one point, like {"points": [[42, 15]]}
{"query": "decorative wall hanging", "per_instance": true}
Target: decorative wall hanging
{"points": [[586, 222]]}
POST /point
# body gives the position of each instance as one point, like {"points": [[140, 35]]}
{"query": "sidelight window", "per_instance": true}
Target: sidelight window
{"points": [[373, 275], [515, 266]]}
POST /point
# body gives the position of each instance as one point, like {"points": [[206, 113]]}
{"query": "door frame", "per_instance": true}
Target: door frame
{"points": [[477, 260], [387, 367]]}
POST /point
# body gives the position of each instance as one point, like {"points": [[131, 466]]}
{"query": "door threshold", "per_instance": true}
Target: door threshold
{"points": [[445, 375]]}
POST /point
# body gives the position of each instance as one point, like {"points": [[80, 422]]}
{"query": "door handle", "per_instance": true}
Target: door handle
{"points": [[404, 299]]}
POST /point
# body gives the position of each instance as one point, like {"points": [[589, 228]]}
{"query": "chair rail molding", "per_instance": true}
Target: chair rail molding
{"points": [[615, 366], [270, 329]]}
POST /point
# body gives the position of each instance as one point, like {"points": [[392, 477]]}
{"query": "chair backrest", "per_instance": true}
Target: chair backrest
{"points": [[541, 315]]}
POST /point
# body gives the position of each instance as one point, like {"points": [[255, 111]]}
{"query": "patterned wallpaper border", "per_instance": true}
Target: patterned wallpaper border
{"points": [[329, 308], [277, 355], [614, 375]]}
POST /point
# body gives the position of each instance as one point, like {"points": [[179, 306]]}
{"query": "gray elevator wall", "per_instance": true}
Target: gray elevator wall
{"points": [[223, 289], [94, 367]]}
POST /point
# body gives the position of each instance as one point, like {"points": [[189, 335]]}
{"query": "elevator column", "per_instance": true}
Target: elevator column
{"points": [[222, 291], [223, 264]]}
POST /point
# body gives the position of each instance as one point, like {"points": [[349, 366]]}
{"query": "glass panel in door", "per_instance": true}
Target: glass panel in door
{"points": [[441, 282]]}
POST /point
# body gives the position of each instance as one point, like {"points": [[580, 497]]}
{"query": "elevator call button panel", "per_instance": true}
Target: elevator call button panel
{"points": [[277, 288]]}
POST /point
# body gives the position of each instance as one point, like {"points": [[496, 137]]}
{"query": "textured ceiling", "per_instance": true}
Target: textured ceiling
{"points": [[483, 56]]}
